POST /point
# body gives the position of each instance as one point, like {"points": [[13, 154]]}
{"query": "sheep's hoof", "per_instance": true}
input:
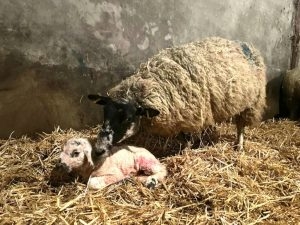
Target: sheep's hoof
{"points": [[151, 182], [239, 147]]}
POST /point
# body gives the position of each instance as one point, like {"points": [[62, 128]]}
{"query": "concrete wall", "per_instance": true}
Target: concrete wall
{"points": [[52, 53]]}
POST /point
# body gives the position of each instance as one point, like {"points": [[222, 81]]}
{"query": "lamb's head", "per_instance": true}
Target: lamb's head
{"points": [[121, 120], [76, 155]]}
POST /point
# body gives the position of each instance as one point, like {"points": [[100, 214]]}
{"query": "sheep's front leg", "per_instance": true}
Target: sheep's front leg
{"points": [[240, 141], [240, 133]]}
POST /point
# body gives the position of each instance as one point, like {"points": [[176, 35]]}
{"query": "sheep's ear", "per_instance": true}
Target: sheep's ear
{"points": [[148, 112], [98, 99]]}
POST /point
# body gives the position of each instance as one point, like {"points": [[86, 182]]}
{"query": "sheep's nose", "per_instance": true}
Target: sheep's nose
{"points": [[100, 151], [101, 148]]}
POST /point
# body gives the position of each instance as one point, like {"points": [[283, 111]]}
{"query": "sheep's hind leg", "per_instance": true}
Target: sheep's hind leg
{"points": [[240, 126]]}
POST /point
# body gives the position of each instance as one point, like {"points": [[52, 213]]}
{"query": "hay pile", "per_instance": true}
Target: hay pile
{"points": [[197, 85], [211, 185]]}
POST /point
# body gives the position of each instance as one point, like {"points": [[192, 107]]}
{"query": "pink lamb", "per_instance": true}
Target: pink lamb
{"points": [[120, 163]]}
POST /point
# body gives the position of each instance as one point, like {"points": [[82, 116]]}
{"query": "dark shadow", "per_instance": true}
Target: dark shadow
{"points": [[168, 146], [59, 176]]}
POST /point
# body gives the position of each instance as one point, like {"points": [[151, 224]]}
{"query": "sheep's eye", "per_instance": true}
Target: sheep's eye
{"points": [[127, 119], [74, 154]]}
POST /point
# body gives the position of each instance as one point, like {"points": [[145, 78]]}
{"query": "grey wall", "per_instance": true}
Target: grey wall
{"points": [[52, 53]]}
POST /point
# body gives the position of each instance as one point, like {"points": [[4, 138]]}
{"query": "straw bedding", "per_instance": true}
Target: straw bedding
{"points": [[210, 185], [198, 84]]}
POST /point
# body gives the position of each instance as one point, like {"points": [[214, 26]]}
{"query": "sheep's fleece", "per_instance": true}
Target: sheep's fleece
{"points": [[198, 84]]}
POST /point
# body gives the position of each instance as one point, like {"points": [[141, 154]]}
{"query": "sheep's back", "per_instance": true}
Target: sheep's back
{"points": [[198, 84]]}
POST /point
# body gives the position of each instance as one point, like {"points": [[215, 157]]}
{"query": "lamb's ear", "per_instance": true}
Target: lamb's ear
{"points": [[98, 99], [148, 112], [88, 155]]}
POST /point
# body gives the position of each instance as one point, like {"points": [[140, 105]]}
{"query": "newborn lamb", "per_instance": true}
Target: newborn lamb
{"points": [[119, 163]]}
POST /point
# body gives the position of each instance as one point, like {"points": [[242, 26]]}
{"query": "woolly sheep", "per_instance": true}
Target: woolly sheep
{"points": [[290, 94], [186, 89], [120, 163]]}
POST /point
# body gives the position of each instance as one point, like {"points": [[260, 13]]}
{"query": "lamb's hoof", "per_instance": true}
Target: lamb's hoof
{"points": [[151, 182], [96, 183]]}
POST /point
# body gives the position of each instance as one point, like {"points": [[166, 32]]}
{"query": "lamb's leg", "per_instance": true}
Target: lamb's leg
{"points": [[153, 174], [240, 126], [100, 182], [96, 183]]}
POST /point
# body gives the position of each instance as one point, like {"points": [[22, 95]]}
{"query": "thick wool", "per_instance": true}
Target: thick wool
{"points": [[197, 85]]}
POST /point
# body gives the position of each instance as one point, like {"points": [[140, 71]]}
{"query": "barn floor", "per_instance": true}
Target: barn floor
{"points": [[210, 185]]}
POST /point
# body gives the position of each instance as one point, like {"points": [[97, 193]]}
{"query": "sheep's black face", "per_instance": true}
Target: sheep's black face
{"points": [[121, 121]]}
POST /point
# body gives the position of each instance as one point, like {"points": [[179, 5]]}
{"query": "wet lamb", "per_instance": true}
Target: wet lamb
{"points": [[186, 89], [120, 163]]}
